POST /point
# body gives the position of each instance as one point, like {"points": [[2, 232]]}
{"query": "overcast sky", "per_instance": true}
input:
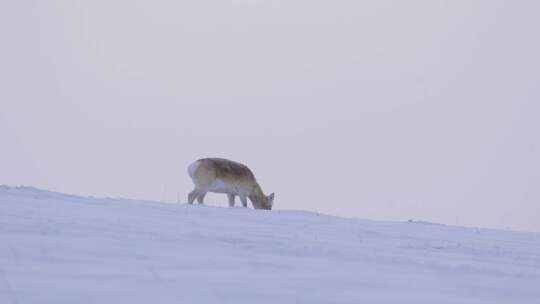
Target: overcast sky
{"points": [[385, 110]]}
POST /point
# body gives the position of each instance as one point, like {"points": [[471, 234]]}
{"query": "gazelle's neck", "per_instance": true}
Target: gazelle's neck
{"points": [[257, 196], [257, 191]]}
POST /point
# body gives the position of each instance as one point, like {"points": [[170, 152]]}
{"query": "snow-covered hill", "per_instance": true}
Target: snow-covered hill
{"points": [[58, 248]]}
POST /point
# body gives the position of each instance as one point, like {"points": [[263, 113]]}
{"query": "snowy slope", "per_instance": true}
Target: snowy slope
{"points": [[57, 248]]}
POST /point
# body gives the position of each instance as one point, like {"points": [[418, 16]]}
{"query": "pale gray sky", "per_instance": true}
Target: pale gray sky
{"points": [[392, 110]]}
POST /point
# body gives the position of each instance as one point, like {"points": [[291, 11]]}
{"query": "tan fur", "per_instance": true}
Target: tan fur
{"points": [[226, 176]]}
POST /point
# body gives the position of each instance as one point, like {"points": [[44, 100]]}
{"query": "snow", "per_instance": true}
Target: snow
{"points": [[58, 248]]}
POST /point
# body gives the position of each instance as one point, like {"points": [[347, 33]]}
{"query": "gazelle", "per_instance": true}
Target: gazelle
{"points": [[226, 176]]}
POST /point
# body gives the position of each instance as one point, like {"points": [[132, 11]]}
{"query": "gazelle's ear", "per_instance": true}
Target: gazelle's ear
{"points": [[271, 197]]}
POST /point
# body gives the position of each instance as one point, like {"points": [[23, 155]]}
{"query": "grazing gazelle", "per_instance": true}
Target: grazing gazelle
{"points": [[226, 176]]}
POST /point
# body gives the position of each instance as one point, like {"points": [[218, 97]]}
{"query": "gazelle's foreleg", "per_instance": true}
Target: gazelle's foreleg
{"points": [[231, 200], [244, 201]]}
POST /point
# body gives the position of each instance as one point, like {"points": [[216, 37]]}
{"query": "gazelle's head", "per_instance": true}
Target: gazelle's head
{"points": [[267, 202]]}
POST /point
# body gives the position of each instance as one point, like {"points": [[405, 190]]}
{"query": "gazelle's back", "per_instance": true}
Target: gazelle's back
{"points": [[209, 169]]}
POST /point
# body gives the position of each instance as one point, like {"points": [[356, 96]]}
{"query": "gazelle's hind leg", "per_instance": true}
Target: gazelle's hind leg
{"points": [[231, 200], [192, 196], [244, 201], [200, 198]]}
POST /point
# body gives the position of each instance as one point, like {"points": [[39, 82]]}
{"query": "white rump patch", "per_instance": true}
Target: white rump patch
{"points": [[192, 168]]}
